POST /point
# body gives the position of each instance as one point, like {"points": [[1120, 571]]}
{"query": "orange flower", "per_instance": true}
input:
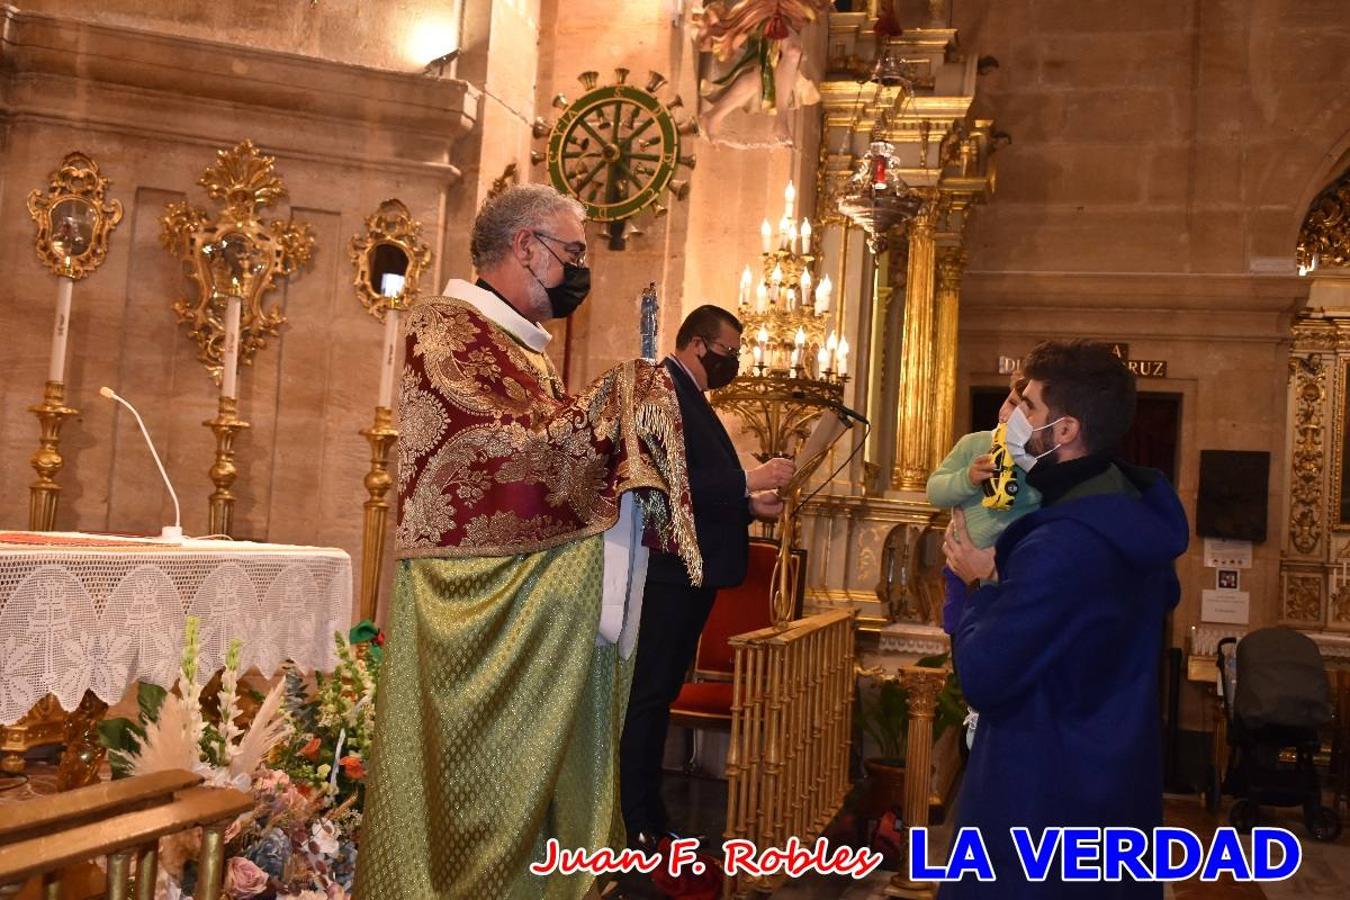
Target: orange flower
{"points": [[310, 750], [353, 766]]}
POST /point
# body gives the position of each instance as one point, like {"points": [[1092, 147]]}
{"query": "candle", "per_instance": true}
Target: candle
{"points": [[790, 196], [761, 296], [806, 235], [791, 298], [783, 225], [759, 354], [763, 336], [800, 339], [832, 343], [796, 360], [388, 358], [776, 276], [792, 236], [841, 356], [806, 284], [60, 330], [766, 236], [230, 352], [746, 278], [822, 361]]}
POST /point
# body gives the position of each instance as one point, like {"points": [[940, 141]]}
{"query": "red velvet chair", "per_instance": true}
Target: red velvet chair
{"points": [[705, 701]]}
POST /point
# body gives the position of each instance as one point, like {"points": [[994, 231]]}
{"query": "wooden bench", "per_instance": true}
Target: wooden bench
{"points": [[118, 820]]}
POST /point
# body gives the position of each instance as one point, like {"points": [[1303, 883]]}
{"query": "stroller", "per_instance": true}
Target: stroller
{"points": [[1274, 709]]}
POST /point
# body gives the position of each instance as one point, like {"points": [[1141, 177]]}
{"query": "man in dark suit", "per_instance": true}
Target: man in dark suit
{"points": [[726, 498]]}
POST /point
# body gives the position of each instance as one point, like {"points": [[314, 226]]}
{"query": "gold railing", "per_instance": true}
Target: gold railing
{"points": [[791, 712], [122, 821]]}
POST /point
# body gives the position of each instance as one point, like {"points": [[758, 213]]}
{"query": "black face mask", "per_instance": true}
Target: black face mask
{"points": [[566, 295], [721, 370]]}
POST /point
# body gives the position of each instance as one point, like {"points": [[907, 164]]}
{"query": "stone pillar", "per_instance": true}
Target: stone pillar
{"points": [[923, 685], [912, 453], [951, 263]]}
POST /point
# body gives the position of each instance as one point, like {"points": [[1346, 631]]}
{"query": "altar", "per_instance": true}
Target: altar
{"points": [[83, 618]]}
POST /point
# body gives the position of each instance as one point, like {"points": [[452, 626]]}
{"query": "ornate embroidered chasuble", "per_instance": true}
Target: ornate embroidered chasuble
{"points": [[499, 712]]}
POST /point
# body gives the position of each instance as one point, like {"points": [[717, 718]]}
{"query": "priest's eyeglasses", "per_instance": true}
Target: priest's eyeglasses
{"points": [[575, 250]]}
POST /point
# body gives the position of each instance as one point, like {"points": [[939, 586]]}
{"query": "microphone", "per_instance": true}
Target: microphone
{"points": [[845, 413], [172, 532]]}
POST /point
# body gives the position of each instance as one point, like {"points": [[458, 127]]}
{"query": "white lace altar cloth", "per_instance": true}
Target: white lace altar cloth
{"points": [[89, 612]]}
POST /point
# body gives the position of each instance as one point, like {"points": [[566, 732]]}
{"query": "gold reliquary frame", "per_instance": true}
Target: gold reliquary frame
{"points": [[391, 245], [74, 218], [234, 253]]}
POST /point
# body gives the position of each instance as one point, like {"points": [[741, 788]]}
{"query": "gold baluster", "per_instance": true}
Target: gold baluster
{"points": [[147, 871], [211, 865]]}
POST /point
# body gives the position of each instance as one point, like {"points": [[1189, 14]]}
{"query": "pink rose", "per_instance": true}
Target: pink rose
{"points": [[243, 879]]}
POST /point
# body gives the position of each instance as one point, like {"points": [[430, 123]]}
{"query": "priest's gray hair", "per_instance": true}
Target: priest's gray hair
{"points": [[523, 206]]}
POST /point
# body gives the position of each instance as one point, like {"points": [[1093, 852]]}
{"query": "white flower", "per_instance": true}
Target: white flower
{"points": [[324, 837]]}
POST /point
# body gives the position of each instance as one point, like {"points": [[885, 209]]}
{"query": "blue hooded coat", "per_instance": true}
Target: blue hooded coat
{"points": [[1061, 659]]}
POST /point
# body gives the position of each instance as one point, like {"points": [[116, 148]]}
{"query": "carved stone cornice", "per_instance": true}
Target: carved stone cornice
{"points": [[170, 87]]}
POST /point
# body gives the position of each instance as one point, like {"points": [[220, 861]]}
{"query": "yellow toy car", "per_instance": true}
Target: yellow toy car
{"points": [[1000, 490]]}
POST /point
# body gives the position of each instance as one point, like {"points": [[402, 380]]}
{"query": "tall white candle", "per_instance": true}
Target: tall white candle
{"points": [[766, 236], [230, 352], [388, 359], [806, 236], [761, 297], [60, 330], [745, 286], [841, 357], [822, 361], [790, 198]]}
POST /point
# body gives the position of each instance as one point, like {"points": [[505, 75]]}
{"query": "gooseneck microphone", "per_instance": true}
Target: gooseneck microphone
{"points": [[172, 532]]}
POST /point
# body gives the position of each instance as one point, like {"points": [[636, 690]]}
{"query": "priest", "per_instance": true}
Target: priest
{"points": [[518, 584]]}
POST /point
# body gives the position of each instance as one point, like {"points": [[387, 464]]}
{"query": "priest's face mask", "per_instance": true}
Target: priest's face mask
{"points": [[721, 358], [558, 263]]}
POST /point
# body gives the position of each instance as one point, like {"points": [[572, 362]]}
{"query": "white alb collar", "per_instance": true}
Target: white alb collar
{"points": [[499, 312]]}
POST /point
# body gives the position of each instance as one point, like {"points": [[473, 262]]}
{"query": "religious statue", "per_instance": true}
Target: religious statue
{"points": [[764, 39]]}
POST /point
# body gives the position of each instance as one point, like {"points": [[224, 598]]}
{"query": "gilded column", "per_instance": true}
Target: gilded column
{"points": [[923, 686], [951, 263], [912, 453]]}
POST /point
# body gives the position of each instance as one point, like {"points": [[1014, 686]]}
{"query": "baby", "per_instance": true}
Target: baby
{"points": [[959, 483]]}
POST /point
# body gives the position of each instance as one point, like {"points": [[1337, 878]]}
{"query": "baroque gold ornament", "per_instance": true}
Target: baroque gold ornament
{"points": [[74, 218], [392, 245], [235, 254]]}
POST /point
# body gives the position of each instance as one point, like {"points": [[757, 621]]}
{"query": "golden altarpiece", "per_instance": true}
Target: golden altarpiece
{"points": [[908, 99], [1315, 562]]}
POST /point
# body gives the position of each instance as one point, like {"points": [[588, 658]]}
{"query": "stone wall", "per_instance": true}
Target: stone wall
{"points": [[152, 103]]}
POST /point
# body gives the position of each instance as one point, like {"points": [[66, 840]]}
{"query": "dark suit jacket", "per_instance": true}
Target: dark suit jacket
{"points": [[717, 488]]}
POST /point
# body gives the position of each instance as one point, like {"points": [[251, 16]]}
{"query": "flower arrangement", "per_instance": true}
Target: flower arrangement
{"points": [[301, 759]]}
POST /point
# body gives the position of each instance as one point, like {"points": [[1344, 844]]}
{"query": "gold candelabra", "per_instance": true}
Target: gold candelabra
{"points": [[382, 436], [799, 366], [47, 461], [226, 425]]}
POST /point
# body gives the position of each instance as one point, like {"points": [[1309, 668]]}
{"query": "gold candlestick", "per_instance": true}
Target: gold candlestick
{"points": [[382, 436], [226, 425], [47, 461]]}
